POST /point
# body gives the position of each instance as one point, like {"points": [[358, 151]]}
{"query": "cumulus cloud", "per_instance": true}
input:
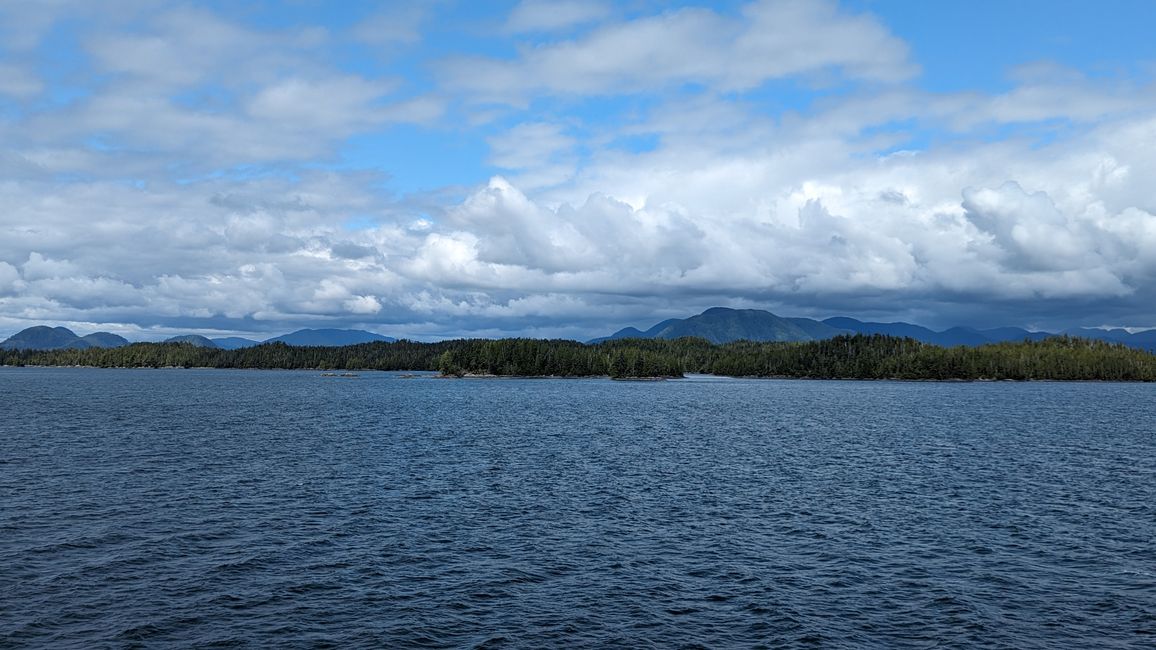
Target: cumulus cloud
{"points": [[1029, 229], [39, 267], [501, 258], [189, 190], [9, 278]]}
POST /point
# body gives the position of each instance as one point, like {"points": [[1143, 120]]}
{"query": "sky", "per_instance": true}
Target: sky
{"points": [[564, 169]]}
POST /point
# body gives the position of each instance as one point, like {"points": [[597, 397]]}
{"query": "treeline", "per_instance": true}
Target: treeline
{"points": [[886, 357], [844, 357]]}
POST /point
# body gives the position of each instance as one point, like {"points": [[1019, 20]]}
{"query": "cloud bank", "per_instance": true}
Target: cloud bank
{"points": [[636, 167]]}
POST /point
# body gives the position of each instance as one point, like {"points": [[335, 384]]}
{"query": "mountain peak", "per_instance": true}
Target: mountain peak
{"points": [[724, 324], [328, 337], [192, 339], [42, 337]]}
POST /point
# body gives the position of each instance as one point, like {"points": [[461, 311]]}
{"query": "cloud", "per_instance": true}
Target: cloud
{"points": [[530, 145], [330, 105], [771, 40], [39, 267], [19, 82], [543, 154], [185, 89], [9, 278], [983, 232], [196, 182], [391, 27], [554, 15], [362, 305], [1029, 229], [23, 25], [183, 46]]}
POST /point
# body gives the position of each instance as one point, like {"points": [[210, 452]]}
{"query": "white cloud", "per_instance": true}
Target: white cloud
{"points": [[393, 26], [184, 88], [553, 15], [125, 205], [784, 37], [803, 225], [362, 305], [530, 145], [773, 40], [39, 267], [1030, 229], [330, 105], [23, 25], [184, 46], [9, 278], [18, 81], [542, 154]]}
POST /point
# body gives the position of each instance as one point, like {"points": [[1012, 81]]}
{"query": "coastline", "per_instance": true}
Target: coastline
{"points": [[352, 373]]}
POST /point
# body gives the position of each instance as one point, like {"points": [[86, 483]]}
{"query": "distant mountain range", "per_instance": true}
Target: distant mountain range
{"points": [[193, 339], [234, 343], [717, 325], [62, 338], [723, 325], [57, 338], [947, 338], [329, 337]]}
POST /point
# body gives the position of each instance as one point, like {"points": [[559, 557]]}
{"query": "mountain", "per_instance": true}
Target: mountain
{"points": [[635, 333], [954, 336], [1013, 335], [1113, 335], [948, 338], [41, 337], [624, 333], [234, 343], [1144, 340], [329, 337], [57, 338], [723, 325], [817, 330], [908, 330], [104, 340], [193, 339], [717, 325]]}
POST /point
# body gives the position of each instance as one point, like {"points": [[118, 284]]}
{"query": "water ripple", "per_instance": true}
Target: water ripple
{"points": [[250, 509]]}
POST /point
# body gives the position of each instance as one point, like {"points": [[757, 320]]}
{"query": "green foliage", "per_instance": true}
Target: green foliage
{"points": [[448, 366], [843, 357]]}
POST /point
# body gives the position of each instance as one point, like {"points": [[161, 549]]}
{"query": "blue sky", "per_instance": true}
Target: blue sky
{"points": [[452, 168]]}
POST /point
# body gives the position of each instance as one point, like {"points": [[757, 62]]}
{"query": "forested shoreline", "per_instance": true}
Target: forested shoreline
{"points": [[843, 357]]}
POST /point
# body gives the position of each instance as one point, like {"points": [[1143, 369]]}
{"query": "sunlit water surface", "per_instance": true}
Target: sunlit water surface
{"points": [[282, 509]]}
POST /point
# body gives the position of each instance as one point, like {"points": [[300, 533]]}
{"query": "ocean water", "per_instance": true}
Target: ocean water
{"points": [[179, 508]]}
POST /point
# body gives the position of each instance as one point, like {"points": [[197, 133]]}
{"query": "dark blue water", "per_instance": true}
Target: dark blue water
{"points": [[282, 509]]}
